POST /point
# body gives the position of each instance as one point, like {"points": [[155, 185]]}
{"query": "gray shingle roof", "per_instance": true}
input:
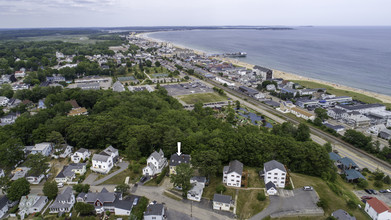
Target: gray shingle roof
{"points": [[270, 185], [360, 107], [154, 209], [176, 160], [333, 156], [353, 174], [342, 215], [222, 198], [63, 198], [347, 162], [3, 201], [100, 157], [235, 166], [200, 179], [103, 196], [82, 150], [273, 164]]}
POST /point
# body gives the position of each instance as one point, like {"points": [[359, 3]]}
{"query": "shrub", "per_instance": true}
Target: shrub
{"points": [[387, 180], [362, 183], [107, 212], [322, 203], [351, 204], [378, 184], [288, 187], [220, 188], [261, 196], [161, 175], [136, 168], [334, 188], [14, 209]]}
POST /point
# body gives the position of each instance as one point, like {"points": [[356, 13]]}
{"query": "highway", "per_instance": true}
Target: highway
{"points": [[360, 157]]}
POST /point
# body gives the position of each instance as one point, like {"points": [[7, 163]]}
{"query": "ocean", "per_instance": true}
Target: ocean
{"points": [[359, 57]]}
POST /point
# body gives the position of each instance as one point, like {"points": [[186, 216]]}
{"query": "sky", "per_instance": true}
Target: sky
{"points": [[121, 13]]}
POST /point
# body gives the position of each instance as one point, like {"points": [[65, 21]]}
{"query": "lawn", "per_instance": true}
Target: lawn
{"points": [[210, 190], [83, 39], [248, 205], [120, 178], [254, 181], [333, 201], [202, 97], [340, 92]]}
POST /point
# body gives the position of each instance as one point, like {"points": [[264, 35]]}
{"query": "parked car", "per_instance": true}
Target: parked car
{"points": [[60, 185], [383, 191], [308, 188], [135, 201], [373, 191], [143, 178], [366, 197], [368, 191]]}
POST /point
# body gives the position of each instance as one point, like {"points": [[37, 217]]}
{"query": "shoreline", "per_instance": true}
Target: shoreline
{"points": [[280, 74]]}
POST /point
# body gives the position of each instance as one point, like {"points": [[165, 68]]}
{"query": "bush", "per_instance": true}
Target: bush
{"points": [[322, 203], [14, 209], [387, 180], [378, 184], [334, 188], [220, 188], [143, 160], [161, 175], [108, 213], [136, 168], [351, 204], [288, 187], [261, 196], [362, 183]]}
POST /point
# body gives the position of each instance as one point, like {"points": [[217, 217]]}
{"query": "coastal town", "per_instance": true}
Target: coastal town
{"points": [[72, 161]]}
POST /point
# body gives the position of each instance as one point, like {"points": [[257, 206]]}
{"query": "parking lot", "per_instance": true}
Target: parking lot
{"points": [[385, 197], [187, 88], [291, 203]]}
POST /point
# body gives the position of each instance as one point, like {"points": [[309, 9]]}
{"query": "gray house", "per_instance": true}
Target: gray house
{"points": [[64, 202]]}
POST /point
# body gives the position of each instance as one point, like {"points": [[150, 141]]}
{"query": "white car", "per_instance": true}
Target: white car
{"points": [[60, 185], [308, 188]]}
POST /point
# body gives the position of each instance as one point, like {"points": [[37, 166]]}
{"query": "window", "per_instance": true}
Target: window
{"points": [[232, 175], [282, 178], [237, 176], [269, 177], [275, 173], [153, 217], [282, 182], [269, 173], [275, 178]]}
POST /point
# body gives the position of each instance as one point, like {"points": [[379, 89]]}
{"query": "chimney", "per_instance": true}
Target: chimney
{"points": [[179, 149]]}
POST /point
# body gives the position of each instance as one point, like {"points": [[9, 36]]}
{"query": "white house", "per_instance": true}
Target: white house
{"points": [[80, 154], [35, 178], [68, 173], [154, 211], [104, 161], [64, 202], [4, 101], [155, 163], [232, 174], [44, 148], [271, 188], [195, 193], [377, 209], [222, 202], [3, 206], [20, 74], [31, 204], [376, 129], [275, 172], [63, 151]]}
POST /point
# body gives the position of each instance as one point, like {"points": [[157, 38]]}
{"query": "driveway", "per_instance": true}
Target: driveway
{"points": [[90, 179], [122, 165], [298, 203]]}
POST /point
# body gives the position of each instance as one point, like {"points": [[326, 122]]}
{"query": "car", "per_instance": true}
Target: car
{"points": [[143, 178], [60, 185], [368, 191], [135, 201], [366, 197], [308, 188], [383, 191], [373, 191]]}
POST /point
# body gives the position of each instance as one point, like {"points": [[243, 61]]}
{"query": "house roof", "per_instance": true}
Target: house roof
{"points": [[270, 185], [103, 196], [353, 174], [360, 107], [222, 198], [341, 214], [73, 103], [82, 150], [63, 199], [67, 171], [3, 201], [333, 156], [41, 146], [154, 209], [118, 87], [263, 69], [273, 164], [126, 204], [378, 205], [77, 111], [100, 157], [347, 162], [200, 179], [178, 159], [235, 166], [110, 149], [157, 155]]}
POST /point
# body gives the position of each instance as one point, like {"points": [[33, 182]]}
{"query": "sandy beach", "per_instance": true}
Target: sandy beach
{"points": [[281, 74]]}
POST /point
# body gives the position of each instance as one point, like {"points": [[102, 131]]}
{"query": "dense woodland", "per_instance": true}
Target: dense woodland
{"points": [[138, 123]]}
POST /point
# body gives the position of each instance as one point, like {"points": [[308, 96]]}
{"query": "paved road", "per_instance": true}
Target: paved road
{"points": [[122, 165], [90, 178], [156, 193], [298, 202]]}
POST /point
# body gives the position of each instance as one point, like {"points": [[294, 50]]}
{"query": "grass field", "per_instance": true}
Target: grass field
{"points": [[254, 181], [334, 202], [340, 92], [248, 204], [83, 39], [202, 97], [210, 190], [120, 178]]}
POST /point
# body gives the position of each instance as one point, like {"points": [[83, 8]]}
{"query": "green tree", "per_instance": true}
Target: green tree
{"points": [[157, 64], [84, 208], [6, 90], [122, 188], [4, 183], [17, 189], [361, 183], [387, 180], [182, 177], [81, 188], [220, 188], [321, 113], [37, 163], [303, 132], [328, 147], [50, 189], [237, 104], [208, 162], [56, 138]]}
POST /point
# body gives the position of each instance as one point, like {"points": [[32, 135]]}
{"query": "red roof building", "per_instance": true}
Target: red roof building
{"points": [[377, 209]]}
